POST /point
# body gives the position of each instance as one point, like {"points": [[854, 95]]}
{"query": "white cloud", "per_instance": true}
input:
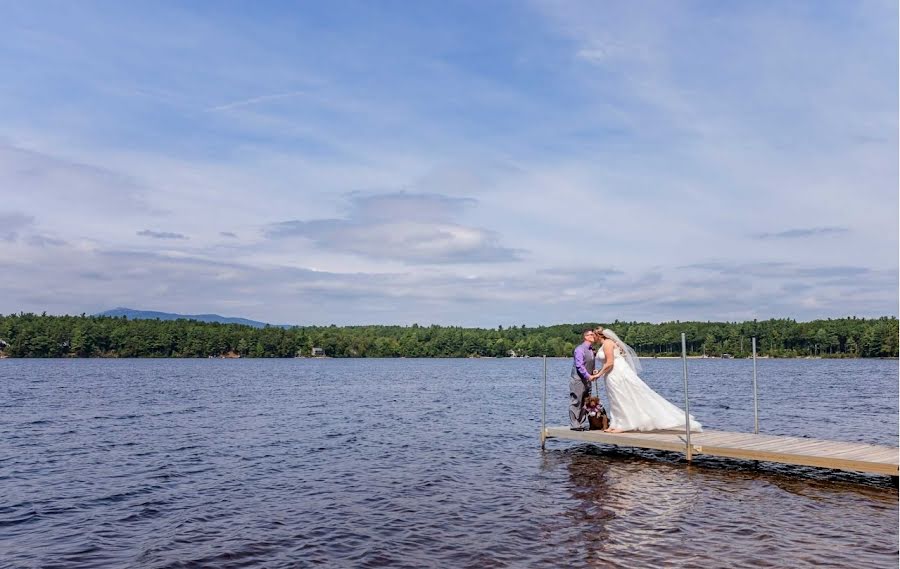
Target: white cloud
{"points": [[413, 228]]}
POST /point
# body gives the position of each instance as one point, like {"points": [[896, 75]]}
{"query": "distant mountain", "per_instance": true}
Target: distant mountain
{"points": [[152, 315]]}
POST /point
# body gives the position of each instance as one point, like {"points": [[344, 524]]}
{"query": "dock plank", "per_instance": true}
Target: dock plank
{"points": [[860, 457]]}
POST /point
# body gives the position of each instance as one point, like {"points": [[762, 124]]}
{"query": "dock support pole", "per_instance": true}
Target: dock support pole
{"points": [[544, 408], [687, 407], [755, 395]]}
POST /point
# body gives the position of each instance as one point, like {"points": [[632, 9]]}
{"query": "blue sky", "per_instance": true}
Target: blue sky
{"points": [[463, 163]]}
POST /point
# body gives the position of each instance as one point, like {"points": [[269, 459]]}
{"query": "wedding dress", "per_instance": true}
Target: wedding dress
{"points": [[633, 406]]}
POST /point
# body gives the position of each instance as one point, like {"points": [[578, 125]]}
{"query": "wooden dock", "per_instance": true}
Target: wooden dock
{"points": [[858, 457]]}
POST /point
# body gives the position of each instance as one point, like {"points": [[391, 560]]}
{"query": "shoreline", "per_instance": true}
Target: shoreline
{"points": [[238, 357]]}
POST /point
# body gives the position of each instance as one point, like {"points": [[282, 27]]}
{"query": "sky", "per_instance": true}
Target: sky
{"points": [[455, 163]]}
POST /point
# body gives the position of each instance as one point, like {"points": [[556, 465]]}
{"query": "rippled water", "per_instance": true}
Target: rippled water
{"points": [[421, 463]]}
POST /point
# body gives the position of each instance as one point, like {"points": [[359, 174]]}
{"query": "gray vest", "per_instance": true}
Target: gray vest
{"points": [[588, 365]]}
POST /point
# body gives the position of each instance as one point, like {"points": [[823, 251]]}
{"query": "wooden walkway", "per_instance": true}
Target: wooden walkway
{"points": [[857, 457]]}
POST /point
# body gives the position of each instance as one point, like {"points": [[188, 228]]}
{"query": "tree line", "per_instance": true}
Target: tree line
{"points": [[43, 336]]}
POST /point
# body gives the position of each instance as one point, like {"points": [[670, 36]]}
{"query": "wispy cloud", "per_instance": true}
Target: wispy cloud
{"points": [[161, 234], [778, 270], [603, 52], [45, 241], [803, 232], [256, 100]]}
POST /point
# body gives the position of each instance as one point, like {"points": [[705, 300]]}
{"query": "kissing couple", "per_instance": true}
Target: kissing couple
{"points": [[633, 405]]}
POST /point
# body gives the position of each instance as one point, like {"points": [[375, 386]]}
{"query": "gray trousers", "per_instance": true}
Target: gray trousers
{"points": [[579, 390]]}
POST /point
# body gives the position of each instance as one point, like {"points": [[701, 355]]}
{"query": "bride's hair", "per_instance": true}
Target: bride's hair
{"points": [[600, 332]]}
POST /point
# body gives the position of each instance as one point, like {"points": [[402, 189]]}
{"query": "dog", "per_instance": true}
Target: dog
{"points": [[597, 417]]}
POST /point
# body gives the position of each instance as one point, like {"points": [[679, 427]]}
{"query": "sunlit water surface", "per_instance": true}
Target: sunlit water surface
{"points": [[422, 463]]}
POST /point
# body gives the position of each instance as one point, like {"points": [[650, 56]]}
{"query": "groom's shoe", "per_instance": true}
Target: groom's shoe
{"points": [[578, 428]]}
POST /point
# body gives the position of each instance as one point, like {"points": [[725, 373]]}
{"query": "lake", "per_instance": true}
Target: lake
{"points": [[423, 463]]}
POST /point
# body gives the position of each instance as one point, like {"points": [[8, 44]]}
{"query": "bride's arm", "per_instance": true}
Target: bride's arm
{"points": [[608, 353]]}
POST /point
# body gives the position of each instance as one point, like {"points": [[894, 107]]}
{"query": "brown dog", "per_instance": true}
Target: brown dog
{"points": [[597, 417]]}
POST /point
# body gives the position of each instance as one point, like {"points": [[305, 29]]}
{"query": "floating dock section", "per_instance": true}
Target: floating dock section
{"points": [[857, 457]]}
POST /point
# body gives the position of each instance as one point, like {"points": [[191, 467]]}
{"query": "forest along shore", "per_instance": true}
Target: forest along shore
{"points": [[31, 335]]}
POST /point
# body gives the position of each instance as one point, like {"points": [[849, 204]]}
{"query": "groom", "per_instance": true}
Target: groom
{"points": [[580, 380]]}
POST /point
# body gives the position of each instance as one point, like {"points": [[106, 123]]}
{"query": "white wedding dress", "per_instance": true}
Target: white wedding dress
{"points": [[633, 406]]}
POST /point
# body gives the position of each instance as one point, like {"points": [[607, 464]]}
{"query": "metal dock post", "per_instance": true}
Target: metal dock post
{"points": [[687, 407], [755, 394], [544, 409]]}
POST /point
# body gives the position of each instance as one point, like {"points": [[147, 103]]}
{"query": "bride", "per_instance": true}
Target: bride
{"points": [[633, 406]]}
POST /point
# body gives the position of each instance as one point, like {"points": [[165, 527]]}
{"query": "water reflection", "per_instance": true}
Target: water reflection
{"points": [[639, 508], [589, 484], [624, 514]]}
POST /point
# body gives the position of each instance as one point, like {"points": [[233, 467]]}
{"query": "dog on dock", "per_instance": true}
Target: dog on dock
{"points": [[597, 417]]}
